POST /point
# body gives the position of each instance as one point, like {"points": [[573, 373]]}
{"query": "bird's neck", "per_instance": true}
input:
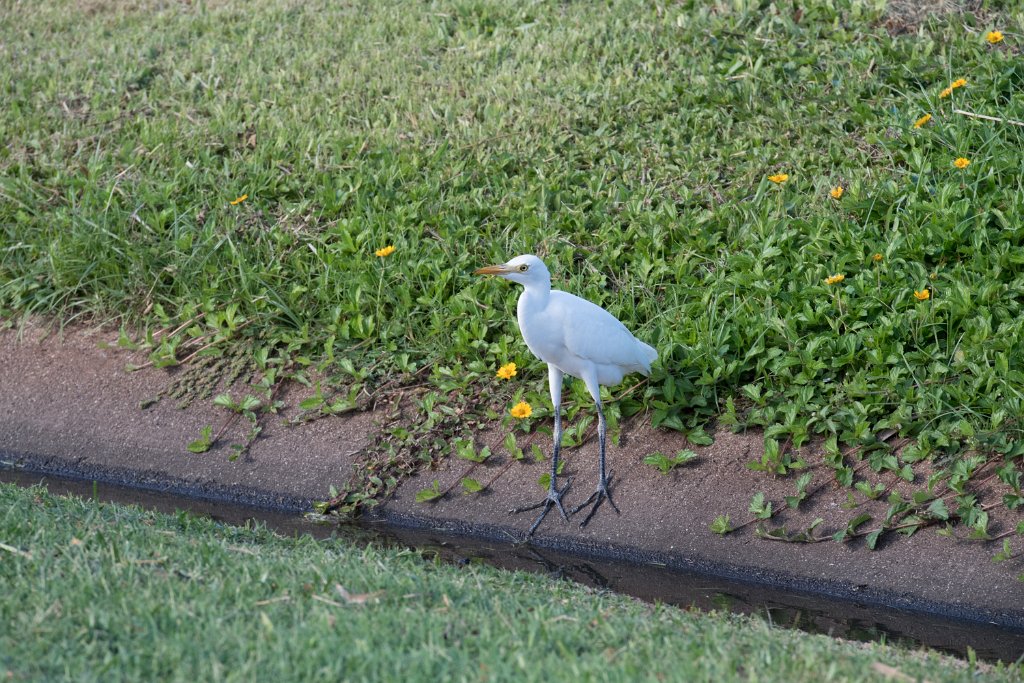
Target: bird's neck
{"points": [[534, 298]]}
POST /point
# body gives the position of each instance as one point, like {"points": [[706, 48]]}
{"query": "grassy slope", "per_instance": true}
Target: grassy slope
{"points": [[116, 593], [628, 143]]}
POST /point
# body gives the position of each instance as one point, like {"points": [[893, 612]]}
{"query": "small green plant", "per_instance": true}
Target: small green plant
{"points": [[470, 485], [721, 525], [871, 491], [801, 491], [433, 492], [466, 449], [666, 464], [246, 406], [1006, 552], [315, 401], [544, 481], [698, 437], [512, 447], [203, 443], [573, 435], [850, 530], [759, 507]]}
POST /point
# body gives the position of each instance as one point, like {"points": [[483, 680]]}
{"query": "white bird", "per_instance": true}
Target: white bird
{"points": [[578, 338]]}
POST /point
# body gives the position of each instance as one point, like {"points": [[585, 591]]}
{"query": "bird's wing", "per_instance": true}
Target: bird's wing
{"points": [[594, 334]]}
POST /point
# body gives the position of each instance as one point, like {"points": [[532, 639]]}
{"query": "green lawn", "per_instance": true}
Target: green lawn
{"points": [[227, 172], [103, 592]]}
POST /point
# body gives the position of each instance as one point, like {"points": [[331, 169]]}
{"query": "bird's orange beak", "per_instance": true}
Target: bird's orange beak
{"points": [[493, 270]]}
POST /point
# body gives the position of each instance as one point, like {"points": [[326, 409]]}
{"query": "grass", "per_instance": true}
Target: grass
{"points": [[97, 591], [630, 144]]}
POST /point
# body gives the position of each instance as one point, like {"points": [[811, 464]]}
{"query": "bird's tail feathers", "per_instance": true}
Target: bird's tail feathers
{"points": [[649, 355]]}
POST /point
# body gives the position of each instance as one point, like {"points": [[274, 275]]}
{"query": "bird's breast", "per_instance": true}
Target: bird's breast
{"points": [[543, 336]]}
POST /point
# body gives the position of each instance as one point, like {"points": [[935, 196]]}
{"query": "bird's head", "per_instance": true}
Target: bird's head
{"points": [[526, 270]]}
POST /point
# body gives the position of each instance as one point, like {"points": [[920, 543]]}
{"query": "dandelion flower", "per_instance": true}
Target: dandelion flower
{"points": [[239, 200], [835, 279], [876, 258], [385, 251], [521, 410], [946, 93], [994, 37], [958, 83], [923, 295], [962, 163], [837, 192], [922, 121], [779, 178], [507, 371]]}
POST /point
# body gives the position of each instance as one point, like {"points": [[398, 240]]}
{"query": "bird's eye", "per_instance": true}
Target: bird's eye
{"points": [[523, 268]]}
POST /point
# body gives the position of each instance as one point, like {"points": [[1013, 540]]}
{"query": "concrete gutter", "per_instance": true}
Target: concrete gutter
{"points": [[68, 408]]}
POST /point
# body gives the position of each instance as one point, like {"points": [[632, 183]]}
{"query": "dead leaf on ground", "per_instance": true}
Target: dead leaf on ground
{"points": [[356, 598], [16, 551], [892, 672]]}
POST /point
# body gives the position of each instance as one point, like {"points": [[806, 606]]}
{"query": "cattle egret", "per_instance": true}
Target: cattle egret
{"points": [[578, 338]]}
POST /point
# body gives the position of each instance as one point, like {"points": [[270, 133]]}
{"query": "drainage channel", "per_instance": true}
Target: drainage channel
{"points": [[649, 582]]}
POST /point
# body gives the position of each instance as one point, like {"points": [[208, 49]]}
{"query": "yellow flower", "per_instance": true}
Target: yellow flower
{"points": [[994, 37], [923, 295], [962, 162], [507, 371], [923, 120], [958, 83], [386, 251], [521, 410], [240, 199], [779, 178], [837, 192], [835, 279], [876, 258]]}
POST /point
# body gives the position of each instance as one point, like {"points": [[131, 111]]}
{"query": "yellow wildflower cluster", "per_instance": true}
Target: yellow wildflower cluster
{"points": [[962, 162], [835, 279], [521, 410], [779, 178], [385, 251], [994, 37], [837, 192], [239, 200], [922, 121], [923, 295], [876, 258], [507, 371]]}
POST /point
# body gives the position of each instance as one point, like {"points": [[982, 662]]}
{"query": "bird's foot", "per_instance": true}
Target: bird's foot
{"points": [[596, 498], [553, 499]]}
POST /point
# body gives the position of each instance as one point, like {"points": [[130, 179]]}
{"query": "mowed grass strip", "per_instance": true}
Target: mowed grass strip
{"points": [[248, 161], [103, 592]]}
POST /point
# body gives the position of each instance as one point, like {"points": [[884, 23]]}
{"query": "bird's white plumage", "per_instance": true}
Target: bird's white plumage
{"points": [[576, 336]]}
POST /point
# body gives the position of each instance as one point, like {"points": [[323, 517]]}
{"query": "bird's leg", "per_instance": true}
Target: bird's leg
{"points": [[554, 497], [602, 491]]}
